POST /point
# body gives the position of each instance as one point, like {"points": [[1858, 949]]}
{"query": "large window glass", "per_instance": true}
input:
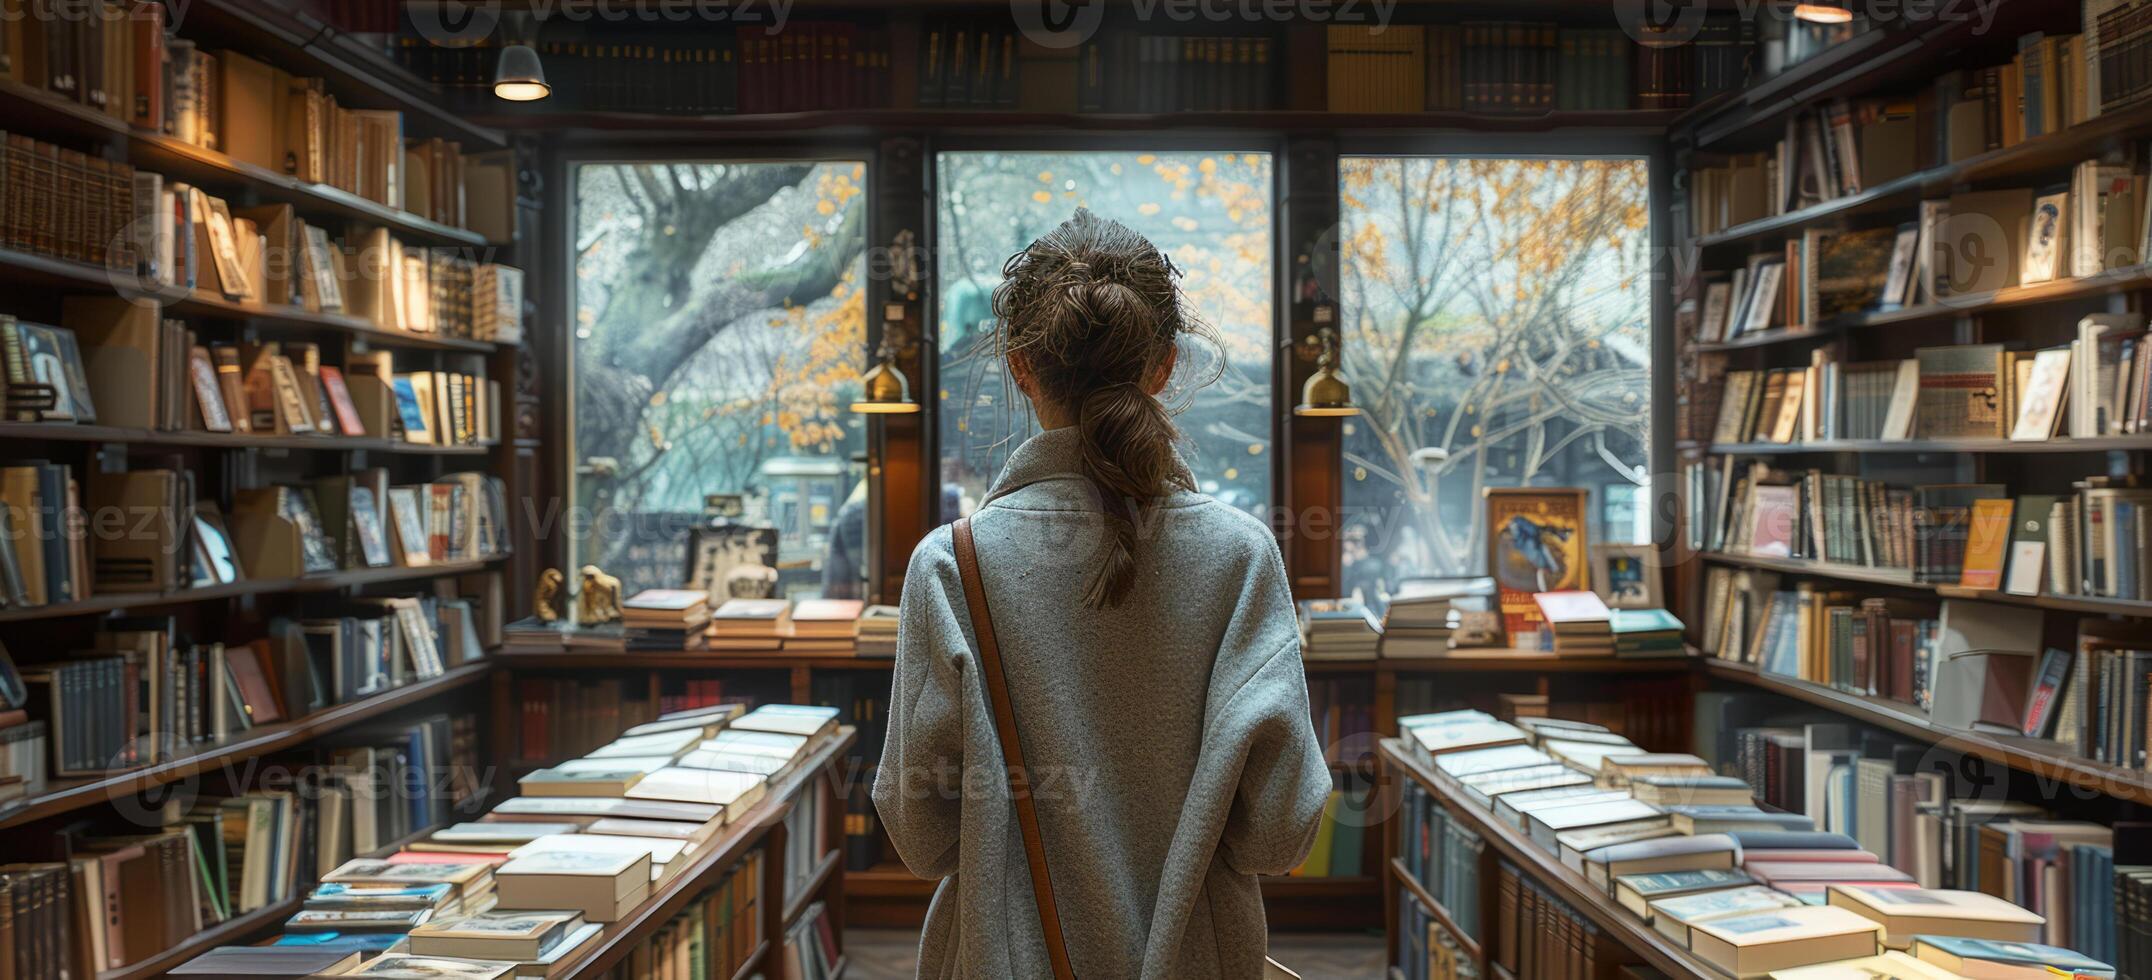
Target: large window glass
{"points": [[720, 329], [1496, 328], [1209, 212]]}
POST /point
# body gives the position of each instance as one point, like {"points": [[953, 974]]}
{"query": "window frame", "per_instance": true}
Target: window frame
{"points": [[557, 353], [1305, 457], [1271, 143], [1660, 450]]}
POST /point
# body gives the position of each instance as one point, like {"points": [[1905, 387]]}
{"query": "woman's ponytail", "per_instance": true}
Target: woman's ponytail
{"points": [[1093, 311]]}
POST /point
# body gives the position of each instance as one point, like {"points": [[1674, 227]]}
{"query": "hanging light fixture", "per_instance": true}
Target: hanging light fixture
{"points": [[883, 390], [1822, 13], [520, 76], [1326, 395]]}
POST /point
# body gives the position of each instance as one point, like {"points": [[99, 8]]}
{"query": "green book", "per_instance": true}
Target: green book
{"points": [[1318, 863]]}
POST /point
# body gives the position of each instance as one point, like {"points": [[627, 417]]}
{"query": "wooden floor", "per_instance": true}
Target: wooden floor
{"points": [[889, 954]]}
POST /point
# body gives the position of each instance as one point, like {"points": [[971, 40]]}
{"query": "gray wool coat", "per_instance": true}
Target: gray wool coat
{"points": [[1169, 738]]}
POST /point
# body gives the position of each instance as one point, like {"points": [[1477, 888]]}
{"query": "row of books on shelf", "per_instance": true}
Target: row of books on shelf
{"points": [[145, 531], [676, 620], [531, 885], [1923, 825], [144, 691], [1962, 248], [1481, 66], [1846, 146], [124, 62], [1747, 889], [1442, 854], [103, 898], [117, 363], [1967, 665], [1528, 66], [2090, 542], [808, 65], [713, 936], [1420, 627]]}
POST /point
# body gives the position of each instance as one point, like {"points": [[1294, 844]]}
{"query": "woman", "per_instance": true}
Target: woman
{"points": [[1151, 655]]}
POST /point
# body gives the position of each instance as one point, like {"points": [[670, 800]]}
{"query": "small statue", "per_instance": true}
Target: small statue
{"points": [[599, 599], [548, 593]]}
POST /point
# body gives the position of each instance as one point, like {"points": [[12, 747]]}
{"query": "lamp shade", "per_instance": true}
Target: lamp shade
{"points": [[520, 76], [883, 391], [1822, 13], [1326, 395]]}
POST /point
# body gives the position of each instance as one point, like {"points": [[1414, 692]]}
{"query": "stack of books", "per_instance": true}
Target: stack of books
{"points": [[1646, 633], [1578, 623], [825, 627], [751, 624], [667, 619], [1749, 890], [1338, 629], [877, 632], [1423, 614]]}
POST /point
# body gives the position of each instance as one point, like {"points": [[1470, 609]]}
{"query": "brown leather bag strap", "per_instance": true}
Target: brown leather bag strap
{"points": [[1012, 749]]}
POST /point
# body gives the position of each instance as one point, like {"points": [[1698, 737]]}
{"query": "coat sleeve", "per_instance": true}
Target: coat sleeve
{"points": [[1283, 781], [917, 787]]}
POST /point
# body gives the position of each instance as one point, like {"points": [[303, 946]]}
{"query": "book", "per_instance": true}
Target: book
{"points": [[1674, 916], [400, 966], [1684, 853], [1986, 544], [1894, 964], [498, 935], [1990, 959], [267, 961], [601, 886], [1907, 912], [1756, 944], [1637, 892]]}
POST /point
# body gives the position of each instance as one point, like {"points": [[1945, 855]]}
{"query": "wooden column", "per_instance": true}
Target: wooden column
{"points": [[1308, 463], [904, 480]]}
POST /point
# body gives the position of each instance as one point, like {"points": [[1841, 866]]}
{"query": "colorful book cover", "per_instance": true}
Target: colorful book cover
{"points": [[1536, 542], [1986, 544]]}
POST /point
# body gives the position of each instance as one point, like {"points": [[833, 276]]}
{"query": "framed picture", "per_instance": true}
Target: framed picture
{"points": [[1536, 542], [1627, 576], [732, 561]]}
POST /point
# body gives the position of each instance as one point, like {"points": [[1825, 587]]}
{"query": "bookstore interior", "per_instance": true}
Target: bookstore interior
{"points": [[461, 461]]}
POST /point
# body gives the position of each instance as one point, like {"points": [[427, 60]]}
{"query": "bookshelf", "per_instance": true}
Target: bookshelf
{"points": [[251, 761], [762, 826], [1620, 932]]}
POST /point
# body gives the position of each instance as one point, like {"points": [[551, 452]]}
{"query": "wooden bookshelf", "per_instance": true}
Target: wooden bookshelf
{"points": [[356, 71], [1638, 122], [237, 929], [764, 824], [1902, 579], [65, 795], [70, 432], [2042, 758], [208, 305], [2096, 444], [1615, 922], [1411, 882], [320, 582], [48, 116]]}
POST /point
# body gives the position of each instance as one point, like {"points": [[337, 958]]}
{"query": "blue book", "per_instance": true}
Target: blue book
{"points": [[1964, 956]]}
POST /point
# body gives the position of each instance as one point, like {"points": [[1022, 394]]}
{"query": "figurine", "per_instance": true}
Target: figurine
{"points": [[548, 593], [599, 599]]}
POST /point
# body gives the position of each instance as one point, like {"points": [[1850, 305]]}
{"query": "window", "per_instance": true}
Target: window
{"points": [[1496, 328], [719, 336], [1209, 212]]}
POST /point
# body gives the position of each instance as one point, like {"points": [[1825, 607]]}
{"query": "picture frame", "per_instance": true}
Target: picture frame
{"points": [[732, 561], [1538, 540], [1626, 576]]}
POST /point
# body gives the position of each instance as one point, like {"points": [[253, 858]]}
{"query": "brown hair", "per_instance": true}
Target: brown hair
{"points": [[1092, 310]]}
